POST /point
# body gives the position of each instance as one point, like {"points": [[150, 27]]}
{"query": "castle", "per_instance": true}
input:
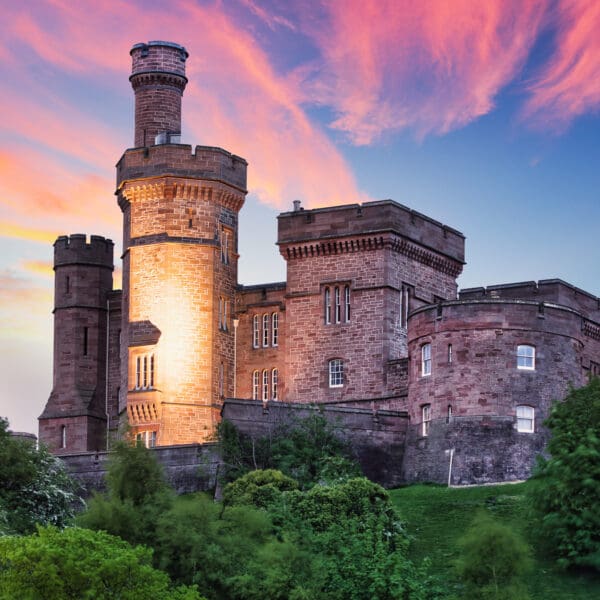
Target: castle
{"points": [[369, 317]]}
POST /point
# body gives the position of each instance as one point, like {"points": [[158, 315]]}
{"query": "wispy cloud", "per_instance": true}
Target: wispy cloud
{"points": [[568, 85]]}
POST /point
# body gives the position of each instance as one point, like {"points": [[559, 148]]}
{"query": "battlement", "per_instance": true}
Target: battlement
{"points": [[545, 290], [75, 249], [370, 218], [205, 162], [158, 56]]}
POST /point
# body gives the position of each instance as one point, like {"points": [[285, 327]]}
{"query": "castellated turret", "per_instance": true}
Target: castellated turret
{"points": [[180, 230], [74, 418]]}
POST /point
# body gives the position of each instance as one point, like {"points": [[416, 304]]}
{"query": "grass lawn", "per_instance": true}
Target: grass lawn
{"points": [[438, 516]]}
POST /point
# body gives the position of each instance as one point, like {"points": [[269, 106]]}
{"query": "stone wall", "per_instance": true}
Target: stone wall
{"points": [[188, 468], [376, 437]]}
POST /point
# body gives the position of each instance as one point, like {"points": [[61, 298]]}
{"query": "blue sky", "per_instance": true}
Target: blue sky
{"points": [[481, 115]]}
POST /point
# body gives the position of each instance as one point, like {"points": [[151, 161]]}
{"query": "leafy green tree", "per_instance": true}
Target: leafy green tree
{"points": [[258, 488], [137, 495], [35, 487], [567, 485], [493, 560], [77, 564], [308, 450]]}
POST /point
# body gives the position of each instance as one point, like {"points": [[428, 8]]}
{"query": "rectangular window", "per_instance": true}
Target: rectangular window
{"points": [[347, 303], [63, 436], [425, 360], [265, 330], [449, 353], [274, 382], [525, 419], [255, 384], [85, 341], [336, 373], [526, 357], [255, 331], [338, 306], [274, 329], [151, 443], [138, 373], [225, 242], [265, 385], [145, 379], [68, 285], [426, 414], [152, 370], [404, 305], [327, 306]]}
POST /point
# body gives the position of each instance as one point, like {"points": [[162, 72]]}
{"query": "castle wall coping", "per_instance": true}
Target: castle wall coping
{"points": [[256, 287]]}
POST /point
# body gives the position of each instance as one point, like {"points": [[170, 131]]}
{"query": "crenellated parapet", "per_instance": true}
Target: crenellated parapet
{"points": [[77, 250]]}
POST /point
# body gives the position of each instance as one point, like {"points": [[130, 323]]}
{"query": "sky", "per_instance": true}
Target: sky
{"points": [[481, 115]]}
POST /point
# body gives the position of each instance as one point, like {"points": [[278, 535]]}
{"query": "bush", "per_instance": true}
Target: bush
{"points": [[567, 485], [493, 560], [258, 488]]}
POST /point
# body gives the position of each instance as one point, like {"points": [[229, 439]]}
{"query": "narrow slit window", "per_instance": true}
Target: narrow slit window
{"points": [[255, 331], [138, 373], [152, 370], [426, 419], [449, 353], [347, 303], [265, 330], [63, 436], [327, 306], [338, 306], [265, 385], [275, 329], [85, 341], [145, 379]]}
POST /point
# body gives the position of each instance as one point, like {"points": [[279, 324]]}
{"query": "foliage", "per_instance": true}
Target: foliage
{"points": [[568, 484], [258, 488], [35, 487], [308, 450], [137, 496], [493, 559], [78, 563]]}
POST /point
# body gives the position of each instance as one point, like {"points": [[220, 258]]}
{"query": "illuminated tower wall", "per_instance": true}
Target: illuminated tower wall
{"points": [[74, 419], [180, 229]]}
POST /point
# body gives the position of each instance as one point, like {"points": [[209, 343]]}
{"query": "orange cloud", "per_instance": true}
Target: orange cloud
{"points": [[569, 84], [430, 66], [38, 267]]}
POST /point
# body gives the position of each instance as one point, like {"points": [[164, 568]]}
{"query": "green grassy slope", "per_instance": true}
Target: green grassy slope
{"points": [[438, 516]]}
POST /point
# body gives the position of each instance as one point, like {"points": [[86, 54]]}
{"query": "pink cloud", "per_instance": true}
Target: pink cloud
{"points": [[568, 85], [430, 66]]}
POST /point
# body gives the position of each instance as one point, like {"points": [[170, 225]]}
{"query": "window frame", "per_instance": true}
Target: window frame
{"points": [[426, 360], [256, 331], [327, 305], [335, 368], [275, 329], [275, 383], [425, 419], [255, 384], [265, 333], [338, 305], [347, 303], [523, 355], [530, 418], [265, 385]]}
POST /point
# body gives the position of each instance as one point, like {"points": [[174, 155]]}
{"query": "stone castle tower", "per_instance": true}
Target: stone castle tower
{"points": [[75, 416]]}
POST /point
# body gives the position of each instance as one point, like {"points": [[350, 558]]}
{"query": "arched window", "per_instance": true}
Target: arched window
{"points": [[525, 418], [526, 357], [449, 353], [274, 382], [255, 331], [266, 319], [327, 306], [338, 306], [426, 419], [336, 373], [347, 303], [255, 384], [265, 385], [425, 360], [274, 329]]}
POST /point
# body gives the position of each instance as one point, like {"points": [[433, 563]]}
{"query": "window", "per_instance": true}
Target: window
{"points": [[327, 306], [63, 436], [255, 331], [525, 419], [223, 310], [146, 438], [336, 373], [255, 384], [449, 353], [274, 381], [347, 303], [144, 371], [338, 307], [266, 319], [265, 385], [426, 415], [274, 329], [404, 305], [85, 341], [526, 357], [67, 286], [449, 412], [225, 241], [425, 360]]}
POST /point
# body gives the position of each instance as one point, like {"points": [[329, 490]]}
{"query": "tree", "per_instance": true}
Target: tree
{"points": [[77, 564], [567, 485], [137, 495], [493, 560], [35, 487]]}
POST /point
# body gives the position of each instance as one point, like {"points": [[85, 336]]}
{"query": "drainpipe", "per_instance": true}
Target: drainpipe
{"points": [[236, 322], [107, 374]]}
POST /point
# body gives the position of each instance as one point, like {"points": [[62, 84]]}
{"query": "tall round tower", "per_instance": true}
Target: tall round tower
{"points": [[158, 80], [74, 419], [180, 228]]}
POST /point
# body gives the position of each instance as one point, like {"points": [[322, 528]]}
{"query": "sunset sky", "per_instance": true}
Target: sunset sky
{"points": [[482, 115]]}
